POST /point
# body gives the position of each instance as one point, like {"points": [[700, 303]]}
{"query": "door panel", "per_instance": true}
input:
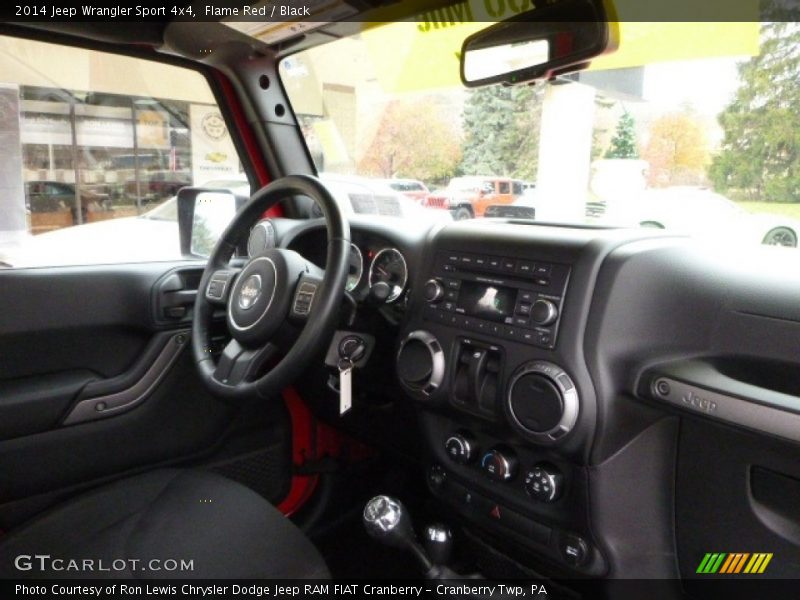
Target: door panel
{"points": [[90, 337]]}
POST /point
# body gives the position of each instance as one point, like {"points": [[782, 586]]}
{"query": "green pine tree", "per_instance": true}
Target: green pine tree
{"points": [[759, 157], [501, 131], [623, 144]]}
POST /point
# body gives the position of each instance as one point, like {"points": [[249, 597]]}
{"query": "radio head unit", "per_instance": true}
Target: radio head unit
{"points": [[509, 298]]}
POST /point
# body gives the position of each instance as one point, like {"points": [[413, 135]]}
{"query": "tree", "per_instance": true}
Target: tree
{"points": [[501, 131], [677, 150], [414, 140], [759, 155], [623, 144]]}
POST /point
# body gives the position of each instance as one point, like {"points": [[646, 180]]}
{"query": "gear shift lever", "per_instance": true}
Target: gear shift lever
{"points": [[388, 521], [438, 542]]}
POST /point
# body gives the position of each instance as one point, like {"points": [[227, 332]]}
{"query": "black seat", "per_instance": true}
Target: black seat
{"points": [[225, 529]]}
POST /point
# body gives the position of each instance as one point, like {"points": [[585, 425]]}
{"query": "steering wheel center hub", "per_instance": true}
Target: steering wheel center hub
{"points": [[257, 306]]}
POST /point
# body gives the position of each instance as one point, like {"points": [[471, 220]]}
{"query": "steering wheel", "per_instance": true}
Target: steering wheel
{"points": [[278, 303]]}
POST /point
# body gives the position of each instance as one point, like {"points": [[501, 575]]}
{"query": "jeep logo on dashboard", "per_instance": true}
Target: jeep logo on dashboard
{"points": [[699, 403], [250, 292]]}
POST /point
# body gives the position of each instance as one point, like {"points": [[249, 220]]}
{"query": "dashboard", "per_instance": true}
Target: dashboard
{"points": [[545, 367]]}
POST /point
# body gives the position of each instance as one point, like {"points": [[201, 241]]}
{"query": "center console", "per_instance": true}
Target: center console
{"points": [[491, 351]]}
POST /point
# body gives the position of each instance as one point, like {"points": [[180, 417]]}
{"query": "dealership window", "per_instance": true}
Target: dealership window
{"points": [[95, 147]]}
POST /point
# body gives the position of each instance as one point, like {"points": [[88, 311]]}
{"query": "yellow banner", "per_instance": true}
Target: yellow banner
{"points": [[424, 55]]}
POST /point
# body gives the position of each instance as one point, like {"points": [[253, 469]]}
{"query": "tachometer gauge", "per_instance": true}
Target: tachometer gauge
{"points": [[356, 268], [390, 267]]}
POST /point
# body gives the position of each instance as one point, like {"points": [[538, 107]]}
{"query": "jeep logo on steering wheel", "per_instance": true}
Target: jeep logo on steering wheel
{"points": [[250, 292]]}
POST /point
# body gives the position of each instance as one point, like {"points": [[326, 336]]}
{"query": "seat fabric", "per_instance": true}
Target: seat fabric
{"points": [[225, 529]]}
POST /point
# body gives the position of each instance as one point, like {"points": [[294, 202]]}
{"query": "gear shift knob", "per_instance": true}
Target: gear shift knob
{"points": [[387, 520], [438, 543]]}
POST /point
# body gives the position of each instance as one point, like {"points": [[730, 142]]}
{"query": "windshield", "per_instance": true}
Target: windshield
{"points": [[652, 135]]}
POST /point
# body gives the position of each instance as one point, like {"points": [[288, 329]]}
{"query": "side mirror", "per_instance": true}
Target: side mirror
{"points": [[203, 214], [538, 44]]}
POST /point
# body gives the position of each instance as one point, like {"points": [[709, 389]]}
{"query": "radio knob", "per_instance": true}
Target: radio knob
{"points": [[500, 465], [544, 312], [433, 291]]}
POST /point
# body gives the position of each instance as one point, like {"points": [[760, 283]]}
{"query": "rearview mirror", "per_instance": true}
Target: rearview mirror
{"points": [[538, 44]]}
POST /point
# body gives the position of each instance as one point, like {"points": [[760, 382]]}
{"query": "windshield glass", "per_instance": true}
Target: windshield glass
{"points": [[652, 135]]}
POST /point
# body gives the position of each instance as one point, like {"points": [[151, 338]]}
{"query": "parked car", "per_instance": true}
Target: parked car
{"points": [[157, 185], [703, 213], [54, 196], [533, 204], [413, 188], [363, 195], [468, 197]]}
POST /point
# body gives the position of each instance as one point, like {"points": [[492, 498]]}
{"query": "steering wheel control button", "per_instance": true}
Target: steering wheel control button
{"points": [[304, 298], [574, 550], [460, 447], [544, 482], [543, 312], [218, 286], [420, 364], [499, 464], [542, 402], [433, 291]]}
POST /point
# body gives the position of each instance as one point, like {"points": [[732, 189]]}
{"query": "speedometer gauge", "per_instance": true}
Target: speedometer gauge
{"points": [[356, 269], [389, 266]]}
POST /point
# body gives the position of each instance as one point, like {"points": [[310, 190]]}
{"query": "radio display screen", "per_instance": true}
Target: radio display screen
{"points": [[486, 301]]}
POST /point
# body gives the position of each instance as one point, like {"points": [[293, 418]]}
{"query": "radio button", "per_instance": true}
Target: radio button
{"points": [[524, 308], [525, 267]]}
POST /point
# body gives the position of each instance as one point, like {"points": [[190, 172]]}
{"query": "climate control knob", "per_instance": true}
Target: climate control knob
{"points": [[460, 447], [433, 291], [544, 482], [544, 312], [500, 464]]}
